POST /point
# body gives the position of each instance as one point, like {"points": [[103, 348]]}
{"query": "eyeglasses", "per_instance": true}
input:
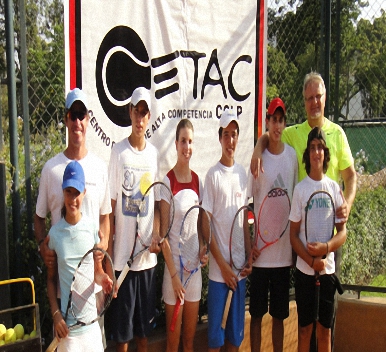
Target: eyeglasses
{"points": [[312, 98], [80, 115]]}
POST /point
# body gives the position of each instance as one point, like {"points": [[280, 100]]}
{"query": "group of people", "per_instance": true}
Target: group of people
{"points": [[109, 195]]}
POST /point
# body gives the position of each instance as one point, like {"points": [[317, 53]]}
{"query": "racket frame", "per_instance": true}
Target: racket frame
{"points": [[182, 267], [267, 243], [55, 342], [134, 254]]}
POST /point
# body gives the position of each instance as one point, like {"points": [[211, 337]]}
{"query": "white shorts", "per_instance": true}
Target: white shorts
{"points": [[89, 341], [193, 291]]}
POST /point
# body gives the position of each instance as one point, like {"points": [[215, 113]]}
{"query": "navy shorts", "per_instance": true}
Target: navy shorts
{"points": [[133, 311], [305, 299], [276, 281]]}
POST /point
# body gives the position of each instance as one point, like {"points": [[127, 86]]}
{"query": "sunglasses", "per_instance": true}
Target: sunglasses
{"points": [[80, 115]]}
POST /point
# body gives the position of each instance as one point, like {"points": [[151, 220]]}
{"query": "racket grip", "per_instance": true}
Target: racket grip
{"points": [[53, 345], [122, 275], [317, 295], [226, 309], [175, 315]]}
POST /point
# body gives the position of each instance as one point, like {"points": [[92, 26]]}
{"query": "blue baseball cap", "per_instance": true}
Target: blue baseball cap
{"points": [[74, 177], [74, 95]]}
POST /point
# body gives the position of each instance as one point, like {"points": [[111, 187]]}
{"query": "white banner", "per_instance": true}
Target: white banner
{"points": [[195, 57]]}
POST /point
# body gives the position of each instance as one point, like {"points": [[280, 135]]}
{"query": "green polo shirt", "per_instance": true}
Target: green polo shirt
{"points": [[340, 154]]}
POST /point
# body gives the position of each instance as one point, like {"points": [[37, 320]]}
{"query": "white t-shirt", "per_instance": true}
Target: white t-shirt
{"points": [[97, 199], [302, 193], [225, 191], [280, 170], [126, 168], [185, 196]]}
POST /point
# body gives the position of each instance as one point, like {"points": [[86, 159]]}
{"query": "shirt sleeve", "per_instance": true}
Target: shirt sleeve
{"points": [[296, 207]]}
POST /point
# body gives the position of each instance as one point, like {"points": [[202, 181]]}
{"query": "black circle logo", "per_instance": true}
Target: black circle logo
{"points": [[122, 65]]}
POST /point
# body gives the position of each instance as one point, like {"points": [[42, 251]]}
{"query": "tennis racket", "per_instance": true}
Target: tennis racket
{"points": [[241, 243], [148, 223], [191, 248], [87, 301], [273, 217], [319, 227]]}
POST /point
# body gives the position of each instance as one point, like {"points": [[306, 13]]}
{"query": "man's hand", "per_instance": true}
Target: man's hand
{"points": [[48, 255]]}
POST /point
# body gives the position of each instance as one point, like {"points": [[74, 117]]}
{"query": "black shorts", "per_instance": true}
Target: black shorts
{"points": [[133, 311], [305, 299], [276, 281]]}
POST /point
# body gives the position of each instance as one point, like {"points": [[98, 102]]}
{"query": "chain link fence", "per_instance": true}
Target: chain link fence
{"points": [[353, 54]]}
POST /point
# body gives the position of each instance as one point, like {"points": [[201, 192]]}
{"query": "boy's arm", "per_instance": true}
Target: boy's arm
{"points": [[298, 245], [230, 278], [256, 160]]}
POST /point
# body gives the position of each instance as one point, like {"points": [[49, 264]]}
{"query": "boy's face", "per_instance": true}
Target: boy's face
{"points": [[275, 125], [228, 140], [316, 154], [139, 116]]}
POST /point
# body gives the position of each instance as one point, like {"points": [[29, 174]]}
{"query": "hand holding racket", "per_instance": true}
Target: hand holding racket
{"points": [[87, 301], [148, 223], [319, 227], [192, 248], [273, 217], [241, 248]]}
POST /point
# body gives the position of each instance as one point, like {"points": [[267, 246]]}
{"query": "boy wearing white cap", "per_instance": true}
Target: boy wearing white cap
{"points": [[224, 193], [132, 160]]}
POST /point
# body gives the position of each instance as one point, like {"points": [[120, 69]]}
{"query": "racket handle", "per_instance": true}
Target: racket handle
{"points": [[226, 310], [122, 275], [175, 315], [53, 345], [317, 295]]}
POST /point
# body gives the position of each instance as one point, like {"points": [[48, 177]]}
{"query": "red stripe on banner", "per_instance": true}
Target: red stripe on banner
{"points": [[72, 43], [261, 78]]}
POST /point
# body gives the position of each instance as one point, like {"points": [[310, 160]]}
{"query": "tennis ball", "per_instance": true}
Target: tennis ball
{"points": [[2, 342], [145, 182], [32, 334], [10, 336], [26, 337], [19, 330], [3, 329]]}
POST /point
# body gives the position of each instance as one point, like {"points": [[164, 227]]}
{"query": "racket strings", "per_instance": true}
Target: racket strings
{"points": [[237, 243], [189, 243], [320, 218], [273, 217]]}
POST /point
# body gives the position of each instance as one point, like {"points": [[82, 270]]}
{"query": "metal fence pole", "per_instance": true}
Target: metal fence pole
{"points": [[24, 95], [10, 49]]}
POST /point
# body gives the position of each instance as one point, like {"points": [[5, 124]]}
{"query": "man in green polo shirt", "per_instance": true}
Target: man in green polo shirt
{"points": [[341, 166]]}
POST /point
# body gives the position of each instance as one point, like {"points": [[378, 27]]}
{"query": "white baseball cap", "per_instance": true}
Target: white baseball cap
{"points": [[139, 94], [227, 117], [74, 95]]}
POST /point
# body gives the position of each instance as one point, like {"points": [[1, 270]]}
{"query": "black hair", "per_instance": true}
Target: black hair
{"points": [[316, 133]]}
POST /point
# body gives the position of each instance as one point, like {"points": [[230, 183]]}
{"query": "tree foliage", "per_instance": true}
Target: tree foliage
{"points": [[295, 33]]}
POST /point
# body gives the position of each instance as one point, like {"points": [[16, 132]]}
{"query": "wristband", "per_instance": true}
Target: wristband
{"points": [[57, 311]]}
